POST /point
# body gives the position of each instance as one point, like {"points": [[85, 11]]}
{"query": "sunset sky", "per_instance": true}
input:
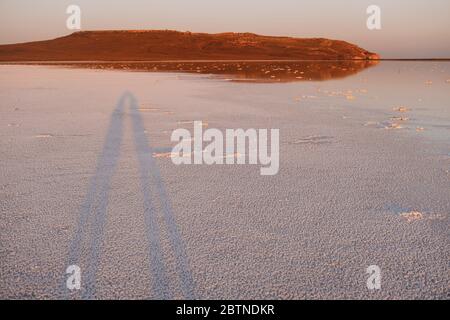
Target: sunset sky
{"points": [[410, 28]]}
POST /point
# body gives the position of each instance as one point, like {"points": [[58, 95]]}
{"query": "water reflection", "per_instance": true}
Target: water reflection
{"points": [[252, 71]]}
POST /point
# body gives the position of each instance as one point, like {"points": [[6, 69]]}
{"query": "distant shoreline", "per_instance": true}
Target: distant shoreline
{"points": [[420, 59], [6, 62], [37, 62]]}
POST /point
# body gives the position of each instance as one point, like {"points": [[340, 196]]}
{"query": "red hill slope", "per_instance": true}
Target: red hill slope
{"points": [[172, 45]]}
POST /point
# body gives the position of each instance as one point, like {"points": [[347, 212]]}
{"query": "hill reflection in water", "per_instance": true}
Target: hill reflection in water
{"points": [[251, 71]]}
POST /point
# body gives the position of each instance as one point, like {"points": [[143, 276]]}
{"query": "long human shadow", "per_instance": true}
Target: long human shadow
{"points": [[149, 171], [93, 212]]}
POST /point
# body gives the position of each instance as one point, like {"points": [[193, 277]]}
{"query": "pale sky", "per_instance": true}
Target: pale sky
{"points": [[410, 28]]}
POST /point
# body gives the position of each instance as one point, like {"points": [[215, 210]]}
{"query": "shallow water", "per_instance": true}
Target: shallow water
{"points": [[415, 95], [401, 94], [391, 95], [264, 71], [421, 88]]}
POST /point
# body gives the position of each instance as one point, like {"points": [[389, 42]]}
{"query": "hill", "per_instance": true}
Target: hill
{"points": [[154, 45]]}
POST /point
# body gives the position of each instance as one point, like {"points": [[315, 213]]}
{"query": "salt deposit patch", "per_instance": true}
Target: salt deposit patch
{"points": [[43, 136], [413, 216], [314, 140]]}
